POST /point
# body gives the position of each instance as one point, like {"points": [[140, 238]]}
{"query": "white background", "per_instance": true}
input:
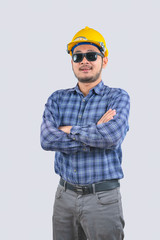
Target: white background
{"points": [[33, 64]]}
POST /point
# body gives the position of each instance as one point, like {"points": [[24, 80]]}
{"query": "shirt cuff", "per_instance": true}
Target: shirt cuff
{"points": [[78, 129], [75, 130]]}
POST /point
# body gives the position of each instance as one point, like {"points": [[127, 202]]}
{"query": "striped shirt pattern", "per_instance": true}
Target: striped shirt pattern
{"points": [[90, 153]]}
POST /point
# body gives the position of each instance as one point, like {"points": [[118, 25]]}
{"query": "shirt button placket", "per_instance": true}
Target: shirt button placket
{"points": [[81, 111]]}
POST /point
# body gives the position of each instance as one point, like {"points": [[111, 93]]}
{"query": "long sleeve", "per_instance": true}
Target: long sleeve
{"points": [[53, 139], [107, 135]]}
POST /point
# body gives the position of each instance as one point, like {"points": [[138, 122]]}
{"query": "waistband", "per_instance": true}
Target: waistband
{"points": [[91, 188]]}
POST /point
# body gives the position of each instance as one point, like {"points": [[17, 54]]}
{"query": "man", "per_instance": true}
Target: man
{"points": [[86, 125]]}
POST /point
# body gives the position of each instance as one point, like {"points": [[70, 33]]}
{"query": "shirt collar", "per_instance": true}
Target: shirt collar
{"points": [[98, 89]]}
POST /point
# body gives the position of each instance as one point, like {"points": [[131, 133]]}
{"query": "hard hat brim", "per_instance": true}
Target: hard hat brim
{"points": [[73, 43]]}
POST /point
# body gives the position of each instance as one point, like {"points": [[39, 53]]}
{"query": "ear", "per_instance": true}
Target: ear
{"points": [[105, 61]]}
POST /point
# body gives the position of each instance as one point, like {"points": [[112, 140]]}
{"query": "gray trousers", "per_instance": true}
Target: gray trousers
{"points": [[88, 217]]}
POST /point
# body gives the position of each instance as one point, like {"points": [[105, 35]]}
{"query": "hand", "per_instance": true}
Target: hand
{"points": [[107, 116], [65, 129]]}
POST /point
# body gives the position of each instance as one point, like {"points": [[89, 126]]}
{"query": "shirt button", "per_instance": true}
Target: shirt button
{"points": [[75, 170], [84, 149], [74, 139], [80, 116], [83, 100]]}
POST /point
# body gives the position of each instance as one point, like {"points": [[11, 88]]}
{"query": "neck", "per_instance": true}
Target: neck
{"points": [[85, 87]]}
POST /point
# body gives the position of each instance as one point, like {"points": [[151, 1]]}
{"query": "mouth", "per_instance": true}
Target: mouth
{"points": [[85, 69]]}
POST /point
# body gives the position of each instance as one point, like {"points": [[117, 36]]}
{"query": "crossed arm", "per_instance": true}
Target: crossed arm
{"points": [[107, 133], [105, 118]]}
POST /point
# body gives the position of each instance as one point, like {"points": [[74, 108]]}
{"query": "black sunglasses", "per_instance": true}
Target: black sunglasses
{"points": [[90, 56]]}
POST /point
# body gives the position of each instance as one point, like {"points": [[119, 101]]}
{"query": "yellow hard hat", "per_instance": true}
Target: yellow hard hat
{"points": [[90, 36]]}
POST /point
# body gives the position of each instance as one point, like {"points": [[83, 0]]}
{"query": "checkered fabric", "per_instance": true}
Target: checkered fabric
{"points": [[91, 152]]}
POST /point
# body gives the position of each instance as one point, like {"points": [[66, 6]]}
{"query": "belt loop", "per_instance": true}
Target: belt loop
{"points": [[93, 186], [65, 185]]}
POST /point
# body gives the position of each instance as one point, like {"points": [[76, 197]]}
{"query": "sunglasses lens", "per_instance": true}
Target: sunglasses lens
{"points": [[77, 57], [92, 56]]}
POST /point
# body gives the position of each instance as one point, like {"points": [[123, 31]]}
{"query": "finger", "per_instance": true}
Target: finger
{"points": [[109, 111], [105, 120], [112, 114], [105, 114], [108, 114], [107, 117]]}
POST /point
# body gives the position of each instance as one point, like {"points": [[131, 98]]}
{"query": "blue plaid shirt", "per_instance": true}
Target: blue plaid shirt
{"points": [[91, 152]]}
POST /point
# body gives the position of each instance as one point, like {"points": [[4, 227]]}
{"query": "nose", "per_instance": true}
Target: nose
{"points": [[84, 61]]}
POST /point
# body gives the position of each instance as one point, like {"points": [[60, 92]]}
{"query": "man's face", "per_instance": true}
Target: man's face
{"points": [[88, 71]]}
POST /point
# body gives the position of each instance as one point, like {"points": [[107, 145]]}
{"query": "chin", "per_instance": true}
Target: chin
{"points": [[86, 80]]}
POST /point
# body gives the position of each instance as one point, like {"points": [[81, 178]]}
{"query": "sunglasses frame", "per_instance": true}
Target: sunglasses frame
{"points": [[85, 55]]}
